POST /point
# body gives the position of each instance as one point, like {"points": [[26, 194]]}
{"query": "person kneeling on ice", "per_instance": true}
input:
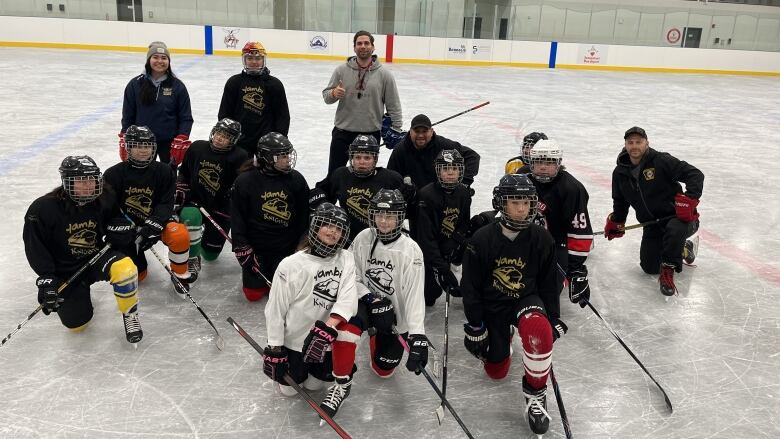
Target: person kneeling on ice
{"points": [[63, 231], [390, 282], [145, 190], [312, 333], [206, 177], [509, 280]]}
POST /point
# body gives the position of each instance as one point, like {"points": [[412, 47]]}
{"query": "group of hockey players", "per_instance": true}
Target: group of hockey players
{"points": [[336, 260]]}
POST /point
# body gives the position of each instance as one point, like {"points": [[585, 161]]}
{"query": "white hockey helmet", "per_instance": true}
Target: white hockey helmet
{"points": [[545, 152]]}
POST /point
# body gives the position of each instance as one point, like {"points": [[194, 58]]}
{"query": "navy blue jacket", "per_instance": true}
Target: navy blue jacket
{"points": [[170, 114]]}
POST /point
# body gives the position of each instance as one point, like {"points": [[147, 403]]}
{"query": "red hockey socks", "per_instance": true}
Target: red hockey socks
{"points": [[498, 370], [255, 294], [344, 349], [537, 338]]}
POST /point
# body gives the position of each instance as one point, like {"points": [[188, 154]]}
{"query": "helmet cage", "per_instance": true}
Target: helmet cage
{"points": [[320, 247]]}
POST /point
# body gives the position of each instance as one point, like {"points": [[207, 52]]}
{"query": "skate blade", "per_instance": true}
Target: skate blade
{"points": [[322, 422], [440, 413]]}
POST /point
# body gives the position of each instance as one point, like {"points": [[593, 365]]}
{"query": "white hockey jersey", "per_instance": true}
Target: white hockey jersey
{"points": [[394, 271], [307, 288]]}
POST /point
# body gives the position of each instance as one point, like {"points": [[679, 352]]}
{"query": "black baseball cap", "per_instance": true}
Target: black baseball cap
{"points": [[421, 120], [635, 130]]}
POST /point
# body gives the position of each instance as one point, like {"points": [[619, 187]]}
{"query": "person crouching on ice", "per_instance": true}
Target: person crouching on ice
{"points": [[509, 280], [311, 331], [63, 230], [391, 281]]}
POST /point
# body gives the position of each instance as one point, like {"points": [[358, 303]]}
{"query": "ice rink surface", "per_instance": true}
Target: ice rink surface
{"points": [[715, 348]]}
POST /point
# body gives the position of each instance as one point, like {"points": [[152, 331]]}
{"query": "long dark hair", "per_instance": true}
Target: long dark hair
{"points": [[148, 90]]}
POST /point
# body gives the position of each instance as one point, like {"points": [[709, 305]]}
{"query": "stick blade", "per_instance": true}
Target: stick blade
{"points": [[220, 342], [440, 413]]}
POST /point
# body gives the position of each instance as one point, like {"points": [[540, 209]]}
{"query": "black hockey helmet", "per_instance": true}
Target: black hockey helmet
{"points": [[528, 142], [327, 214], [363, 144], [74, 172], [140, 137], [515, 187], [387, 203], [446, 159], [227, 128], [271, 149]]}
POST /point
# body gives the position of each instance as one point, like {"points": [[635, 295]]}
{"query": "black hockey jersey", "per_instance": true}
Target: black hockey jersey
{"points": [[442, 218], [498, 272], [259, 102], [143, 192], [563, 205], [210, 174], [354, 193], [270, 213], [59, 237]]}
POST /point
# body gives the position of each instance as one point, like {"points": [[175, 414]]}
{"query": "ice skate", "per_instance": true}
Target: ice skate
{"points": [[666, 280], [132, 325], [336, 395], [536, 406]]}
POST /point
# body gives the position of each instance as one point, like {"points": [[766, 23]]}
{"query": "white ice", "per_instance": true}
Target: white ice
{"points": [[715, 348]]}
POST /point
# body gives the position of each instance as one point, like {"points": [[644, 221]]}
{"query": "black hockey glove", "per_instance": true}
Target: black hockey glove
{"points": [[559, 328], [150, 233], [476, 340], [381, 314], [248, 259], [316, 197], [120, 232], [409, 190], [480, 220], [418, 353], [47, 294], [275, 364], [579, 290], [320, 337], [181, 196], [447, 281]]}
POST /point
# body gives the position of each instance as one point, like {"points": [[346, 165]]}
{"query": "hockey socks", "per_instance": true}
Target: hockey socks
{"points": [[498, 370], [537, 338], [344, 349], [255, 294]]}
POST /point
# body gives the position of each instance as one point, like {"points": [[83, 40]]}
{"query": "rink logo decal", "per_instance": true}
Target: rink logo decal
{"points": [[253, 99], [379, 278], [318, 43], [231, 40], [507, 276], [649, 174], [592, 56], [457, 49]]}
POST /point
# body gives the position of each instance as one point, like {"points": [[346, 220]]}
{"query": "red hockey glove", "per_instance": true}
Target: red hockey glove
{"points": [[685, 208], [179, 147], [122, 148], [614, 229]]}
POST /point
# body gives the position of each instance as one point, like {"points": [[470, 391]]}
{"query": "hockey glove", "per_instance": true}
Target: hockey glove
{"points": [[248, 259], [120, 232], [316, 197], [275, 364], [579, 290], [614, 229], [381, 314], [179, 147], [408, 190], [122, 147], [480, 220], [559, 329], [476, 340], [181, 196], [390, 135], [418, 353], [150, 233], [47, 294], [685, 208], [447, 281], [320, 337]]}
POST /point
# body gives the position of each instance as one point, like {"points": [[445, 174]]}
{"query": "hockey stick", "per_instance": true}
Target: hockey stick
{"points": [[288, 379], [561, 408], [62, 286], [435, 388], [461, 113], [644, 224], [225, 235], [440, 409], [617, 337], [220, 341]]}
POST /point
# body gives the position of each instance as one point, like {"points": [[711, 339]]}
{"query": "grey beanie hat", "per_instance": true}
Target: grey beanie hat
{"points": [[157, 47]]}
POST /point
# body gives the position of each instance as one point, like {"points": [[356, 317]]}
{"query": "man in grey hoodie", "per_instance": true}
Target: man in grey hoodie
{"points": [[363, 90]]}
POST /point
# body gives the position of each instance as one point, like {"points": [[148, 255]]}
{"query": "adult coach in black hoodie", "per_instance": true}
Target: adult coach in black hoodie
{"points": [[649, 181], [255, 99], [415, 156]]}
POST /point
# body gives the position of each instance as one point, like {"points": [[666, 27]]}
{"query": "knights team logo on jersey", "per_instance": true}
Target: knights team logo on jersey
{"points": [[649, 174], [380, 281], [450, 221], [325, 293], [275, 207], [83, 238], [139, 200], [508, 276], [358, 200], [209, 179], [253, 99]]}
